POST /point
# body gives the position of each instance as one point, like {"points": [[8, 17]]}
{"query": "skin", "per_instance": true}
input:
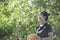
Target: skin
{"points": [[41, 19]]}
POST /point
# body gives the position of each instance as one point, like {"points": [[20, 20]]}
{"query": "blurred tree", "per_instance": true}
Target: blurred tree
{"points": [[18, 18]]}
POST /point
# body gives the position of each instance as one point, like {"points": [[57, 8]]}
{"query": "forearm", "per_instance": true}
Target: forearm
{"points": [[48, 38], [51, 36]]}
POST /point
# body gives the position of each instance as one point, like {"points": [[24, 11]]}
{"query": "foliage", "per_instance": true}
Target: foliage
{"points": [[18, 18]]}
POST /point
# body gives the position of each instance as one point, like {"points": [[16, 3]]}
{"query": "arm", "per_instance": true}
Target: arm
{"points": [[50, 32], [50, 35]]}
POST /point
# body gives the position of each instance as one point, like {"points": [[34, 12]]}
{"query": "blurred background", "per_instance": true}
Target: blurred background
{"points": [[18, 18]]}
